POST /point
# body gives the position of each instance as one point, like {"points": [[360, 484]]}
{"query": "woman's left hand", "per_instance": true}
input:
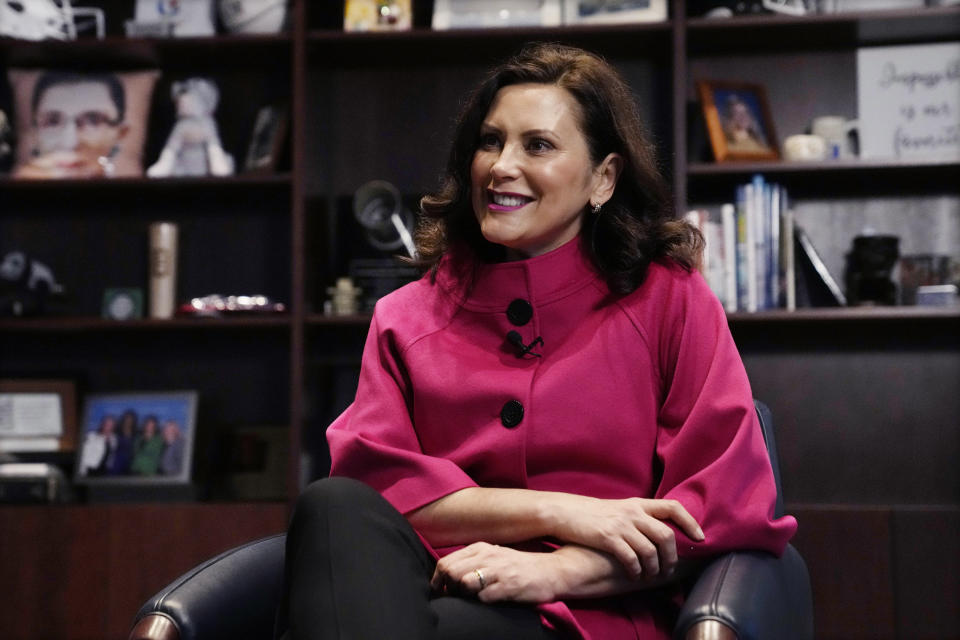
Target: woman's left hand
{"points": [[493, 573]]}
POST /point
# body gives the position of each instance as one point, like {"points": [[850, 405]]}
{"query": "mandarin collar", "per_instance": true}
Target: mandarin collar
{"points": [[539, 280]]}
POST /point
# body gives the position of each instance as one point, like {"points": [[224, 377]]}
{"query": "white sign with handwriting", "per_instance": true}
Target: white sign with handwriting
{"points": [[909, 101]]}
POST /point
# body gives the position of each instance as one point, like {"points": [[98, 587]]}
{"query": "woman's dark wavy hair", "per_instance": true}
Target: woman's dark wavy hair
{"points": [[635, 227]]}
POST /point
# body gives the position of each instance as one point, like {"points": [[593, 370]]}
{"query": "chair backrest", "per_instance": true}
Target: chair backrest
{"points": [[766, 426]]}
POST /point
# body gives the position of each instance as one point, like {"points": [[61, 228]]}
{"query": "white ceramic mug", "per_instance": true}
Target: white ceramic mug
{"points": [[802, 147], [837, 132]]}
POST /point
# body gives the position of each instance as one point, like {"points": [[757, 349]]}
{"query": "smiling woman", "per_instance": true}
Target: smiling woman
{"points": [[485, 489], [532, 178]]}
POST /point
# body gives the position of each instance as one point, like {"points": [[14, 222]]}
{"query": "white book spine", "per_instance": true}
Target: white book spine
{"points": [[729, 224]]}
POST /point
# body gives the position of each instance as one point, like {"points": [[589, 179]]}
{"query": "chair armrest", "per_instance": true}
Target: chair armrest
{"points": [[754, 594], [234, 595]]}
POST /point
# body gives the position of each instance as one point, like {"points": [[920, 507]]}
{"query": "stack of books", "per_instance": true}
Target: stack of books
{"points": [[757, 258]]}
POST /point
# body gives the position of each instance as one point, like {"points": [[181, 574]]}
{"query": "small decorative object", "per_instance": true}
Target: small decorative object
{"points": [[869, 266], [925, 270], [343, 298], [266, 139], [177, 18], [33, 483], [802, 148], [137, 438], [37, 415], [839, 135], [738, 121], [937, 295], [123, 303], [253, 16], [614, 11], [163, 269], [378, 206], [216, 305], [25, 285], [377, 15], [478, 14], [193, 147], [379, 227], [72, 124], [909, 102], [48, 19]]}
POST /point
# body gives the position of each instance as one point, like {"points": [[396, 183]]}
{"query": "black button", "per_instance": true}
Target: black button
{"points": [[519, 312], [511, 414]]}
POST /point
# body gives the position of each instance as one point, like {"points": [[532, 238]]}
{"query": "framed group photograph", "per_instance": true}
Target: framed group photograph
{"points": [[614, 11], [738, 121], [137, 438], [37, 415], [266, 139]]}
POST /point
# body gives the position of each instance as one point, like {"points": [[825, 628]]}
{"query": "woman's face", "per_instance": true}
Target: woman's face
{"points": [[80, 117], [532, 177]]}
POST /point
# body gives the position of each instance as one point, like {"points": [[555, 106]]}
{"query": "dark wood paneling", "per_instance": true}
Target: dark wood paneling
{"points": [[927, 570], [848, 555], [866, 413], [82, 572], [54, 568]]}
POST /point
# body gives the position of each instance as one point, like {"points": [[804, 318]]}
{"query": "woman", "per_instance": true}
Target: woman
{"points": [[79, 123], [741, 128], [557, 412], [148, 448], [126, 437]]}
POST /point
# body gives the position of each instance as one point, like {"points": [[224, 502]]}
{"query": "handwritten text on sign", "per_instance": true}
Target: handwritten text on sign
{"points": [[909, 101]]}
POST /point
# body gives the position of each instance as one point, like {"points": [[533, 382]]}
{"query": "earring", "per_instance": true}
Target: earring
{"points": [[596, 209]]}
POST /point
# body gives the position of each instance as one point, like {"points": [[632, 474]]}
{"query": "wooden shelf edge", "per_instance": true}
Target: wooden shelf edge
{"points": [[846, 314], [425, 34], [698, 169], [88, 324], [321, 320], [851, 17], [198, 182]]}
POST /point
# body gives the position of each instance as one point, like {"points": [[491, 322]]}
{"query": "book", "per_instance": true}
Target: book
{"points": [[788, 288], [729, 227], [815, 286]]}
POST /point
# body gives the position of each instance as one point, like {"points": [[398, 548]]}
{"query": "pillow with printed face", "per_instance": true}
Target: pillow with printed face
{"points": [[80, 125]]}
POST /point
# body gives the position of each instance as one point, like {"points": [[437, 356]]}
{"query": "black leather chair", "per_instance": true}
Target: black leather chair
{"points": [[742, 595]]}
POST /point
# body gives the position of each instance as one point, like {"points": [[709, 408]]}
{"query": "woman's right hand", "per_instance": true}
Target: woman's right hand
{"points": [[632, 530]]}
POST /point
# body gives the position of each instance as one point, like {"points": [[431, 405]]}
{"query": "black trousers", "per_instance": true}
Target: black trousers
{"points": [[356, 570]]}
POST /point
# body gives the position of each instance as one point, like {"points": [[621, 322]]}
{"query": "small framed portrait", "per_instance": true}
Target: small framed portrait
{"points": [[613, 11], [266, 139], [137, 438], [37, 415], [738, 121], [487, 14]]}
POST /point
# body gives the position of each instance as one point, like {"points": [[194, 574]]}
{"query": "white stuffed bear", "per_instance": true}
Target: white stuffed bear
{"points": [[193, 148]]}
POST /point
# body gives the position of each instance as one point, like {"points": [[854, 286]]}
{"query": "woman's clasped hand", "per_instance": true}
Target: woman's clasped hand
{"points": [[632, 532]]}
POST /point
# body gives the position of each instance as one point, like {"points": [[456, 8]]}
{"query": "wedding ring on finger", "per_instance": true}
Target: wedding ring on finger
{"points": [[483, 582]]}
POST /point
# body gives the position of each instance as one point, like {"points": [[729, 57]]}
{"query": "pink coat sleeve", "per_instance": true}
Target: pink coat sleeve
{"points": [[374, 440], [709, 442]]}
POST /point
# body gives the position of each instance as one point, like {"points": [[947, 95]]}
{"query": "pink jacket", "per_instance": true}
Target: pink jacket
{"points": [[642, 395]]}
